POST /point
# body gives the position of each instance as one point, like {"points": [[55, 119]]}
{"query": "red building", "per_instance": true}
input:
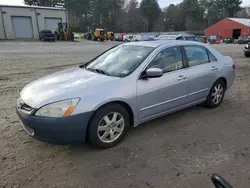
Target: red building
{"points": [[229, 27]]}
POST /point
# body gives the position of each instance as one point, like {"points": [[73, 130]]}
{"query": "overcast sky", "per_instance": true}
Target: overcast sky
{"points": [[163, 3]]}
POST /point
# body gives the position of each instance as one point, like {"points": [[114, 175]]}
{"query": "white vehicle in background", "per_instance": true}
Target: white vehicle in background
{"points": [[136, 38], [127, 38], [143, 37], [188, 37], [165, 37]]}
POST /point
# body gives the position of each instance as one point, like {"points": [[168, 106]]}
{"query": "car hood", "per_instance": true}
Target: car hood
{"points": [[69, 83]]}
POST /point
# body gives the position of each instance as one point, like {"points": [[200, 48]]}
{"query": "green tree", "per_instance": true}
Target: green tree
{"points": [[171, 17], [47, 3], [133, 19], [243, 14], [193, 13], [151, 10], [232, 7]]}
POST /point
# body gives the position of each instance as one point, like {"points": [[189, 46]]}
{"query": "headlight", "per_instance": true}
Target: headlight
{"points": [[247, 46], [58, 109]]}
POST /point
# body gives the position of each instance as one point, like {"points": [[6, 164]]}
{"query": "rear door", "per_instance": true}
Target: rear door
{"points": [[202, 72]]}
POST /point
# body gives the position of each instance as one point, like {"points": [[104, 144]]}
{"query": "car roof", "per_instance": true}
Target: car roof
{"points": [[158, 43]]}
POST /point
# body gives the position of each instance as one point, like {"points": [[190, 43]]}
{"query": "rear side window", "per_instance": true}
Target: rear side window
{"points": [[211, 57], [197, 55]]}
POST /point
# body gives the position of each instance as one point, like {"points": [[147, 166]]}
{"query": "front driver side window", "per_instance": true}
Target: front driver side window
{"points": [[168, 60]]}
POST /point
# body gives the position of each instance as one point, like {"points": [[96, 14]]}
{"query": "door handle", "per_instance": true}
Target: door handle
{"points": [[181, 77], [214, 68]]}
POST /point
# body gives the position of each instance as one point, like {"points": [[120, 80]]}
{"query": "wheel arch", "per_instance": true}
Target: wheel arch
{"points": [[120, 102], [224, 80]]}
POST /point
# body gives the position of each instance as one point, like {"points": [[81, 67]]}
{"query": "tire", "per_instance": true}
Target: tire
{"points": [[57, 37], [102, 40], [95, 136], [212, 102], [247, 54]]}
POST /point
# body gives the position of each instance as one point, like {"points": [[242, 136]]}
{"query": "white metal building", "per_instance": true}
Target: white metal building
{"points": [[25, 22]]}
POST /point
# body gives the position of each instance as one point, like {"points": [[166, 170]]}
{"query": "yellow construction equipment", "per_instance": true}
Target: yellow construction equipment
{"points": [[98, 34], [95, 33], [110, 36], [63, 32]]}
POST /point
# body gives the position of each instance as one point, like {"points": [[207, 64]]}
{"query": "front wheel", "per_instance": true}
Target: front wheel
{"points": [[216, 94], [108, 126]]}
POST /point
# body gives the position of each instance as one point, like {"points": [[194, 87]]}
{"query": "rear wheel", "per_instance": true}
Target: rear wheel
{"points": [[247, 54], [108, 126], [216, 94]]}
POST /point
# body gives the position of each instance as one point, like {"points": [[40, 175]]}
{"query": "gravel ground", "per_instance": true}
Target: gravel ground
{"points": [[179, 150]]}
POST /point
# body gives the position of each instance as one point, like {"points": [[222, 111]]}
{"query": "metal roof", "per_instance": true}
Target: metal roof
{"points": [[36, 7], [243, 21]]}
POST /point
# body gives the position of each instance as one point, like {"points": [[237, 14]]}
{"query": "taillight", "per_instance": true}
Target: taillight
{"points": [[234, 66]]}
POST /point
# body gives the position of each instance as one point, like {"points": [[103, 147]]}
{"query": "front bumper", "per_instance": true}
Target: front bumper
{"points": [[64, 130]]}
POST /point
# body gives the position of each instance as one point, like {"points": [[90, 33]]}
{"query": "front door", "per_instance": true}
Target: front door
{"points": [[156, 96]]}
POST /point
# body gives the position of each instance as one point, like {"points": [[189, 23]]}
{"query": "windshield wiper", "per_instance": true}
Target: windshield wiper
{"points": [[99, 71], [102, 71]]}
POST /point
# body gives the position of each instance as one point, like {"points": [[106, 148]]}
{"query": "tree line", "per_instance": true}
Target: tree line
{"points": [[146, 15]]}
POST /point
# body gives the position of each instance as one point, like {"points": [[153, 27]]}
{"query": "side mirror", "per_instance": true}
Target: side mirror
{"points": [[152, 73]]}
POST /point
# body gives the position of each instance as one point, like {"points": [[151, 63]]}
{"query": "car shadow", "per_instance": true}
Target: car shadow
{"points": [[151, 127]]}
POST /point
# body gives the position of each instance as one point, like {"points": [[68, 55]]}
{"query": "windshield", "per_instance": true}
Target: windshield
{"points": [[120, 61]]}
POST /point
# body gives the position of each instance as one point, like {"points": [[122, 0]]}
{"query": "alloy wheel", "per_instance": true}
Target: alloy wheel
{"points": [[217, 94], [111, 127]]}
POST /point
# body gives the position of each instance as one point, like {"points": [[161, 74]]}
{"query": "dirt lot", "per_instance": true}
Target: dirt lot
{"points": [[179, 150]]}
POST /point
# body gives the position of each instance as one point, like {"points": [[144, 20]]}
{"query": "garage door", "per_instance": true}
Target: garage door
{"points": [[22, 27], [51, 23]]}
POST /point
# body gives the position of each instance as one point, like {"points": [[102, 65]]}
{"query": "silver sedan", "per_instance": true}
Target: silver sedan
{"points": [[125, 86]]}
